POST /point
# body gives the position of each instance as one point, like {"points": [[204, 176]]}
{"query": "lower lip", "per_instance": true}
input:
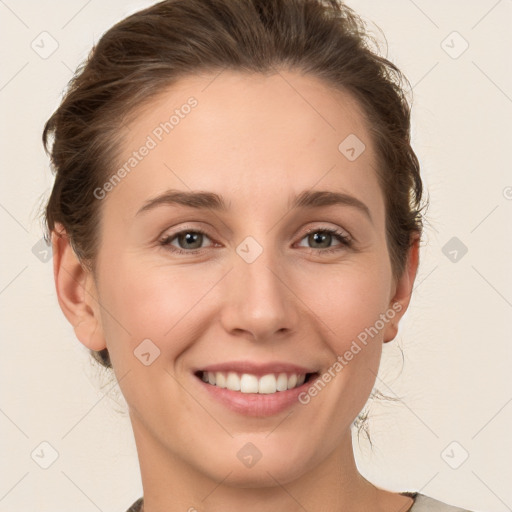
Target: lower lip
{"points": [[255, 404]]}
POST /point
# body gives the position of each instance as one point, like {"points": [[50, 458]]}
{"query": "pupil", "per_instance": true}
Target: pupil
{"points": [[191, 237], [318, 237]]}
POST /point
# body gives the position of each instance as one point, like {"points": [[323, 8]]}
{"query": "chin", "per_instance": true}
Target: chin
{"points": [[260, 476], [269, 466]]}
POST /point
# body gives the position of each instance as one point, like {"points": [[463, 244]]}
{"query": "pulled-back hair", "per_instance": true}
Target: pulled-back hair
{"points": [[150, 50]]}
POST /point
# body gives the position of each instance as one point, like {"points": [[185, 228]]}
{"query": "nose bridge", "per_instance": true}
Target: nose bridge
{"points": [[258, 300]]}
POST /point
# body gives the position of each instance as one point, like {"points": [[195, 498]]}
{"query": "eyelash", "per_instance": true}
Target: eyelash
{"points": [[345, 241]]}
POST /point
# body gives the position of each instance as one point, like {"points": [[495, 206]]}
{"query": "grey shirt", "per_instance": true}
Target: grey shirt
{"points": [[421, 503]]}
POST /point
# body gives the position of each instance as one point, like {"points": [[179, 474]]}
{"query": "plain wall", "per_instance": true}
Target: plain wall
{"points": [[454, 382]]}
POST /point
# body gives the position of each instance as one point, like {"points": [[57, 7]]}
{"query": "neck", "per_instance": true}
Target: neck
{"points": [[171, 484]]}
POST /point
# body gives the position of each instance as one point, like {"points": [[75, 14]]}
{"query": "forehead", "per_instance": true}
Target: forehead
{"points": [[248, 136]]}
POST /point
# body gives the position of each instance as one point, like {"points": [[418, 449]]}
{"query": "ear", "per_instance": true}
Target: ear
{"points": [[403, 290], [76, 291]]}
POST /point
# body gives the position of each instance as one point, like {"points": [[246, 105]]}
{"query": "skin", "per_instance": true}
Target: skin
{"points": [[256, 141]]}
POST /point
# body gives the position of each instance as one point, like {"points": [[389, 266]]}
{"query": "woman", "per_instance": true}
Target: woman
{"points": [[235, 221]]}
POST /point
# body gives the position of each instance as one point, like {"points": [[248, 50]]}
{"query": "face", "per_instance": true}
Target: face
{"points": [[264, 283]]}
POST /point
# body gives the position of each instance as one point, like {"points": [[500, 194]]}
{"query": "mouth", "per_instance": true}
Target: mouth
{"points": [[251, 383], [254, 389]]}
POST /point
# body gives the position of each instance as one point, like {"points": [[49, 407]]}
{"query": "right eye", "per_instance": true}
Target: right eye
{"points": [[189, 241]]}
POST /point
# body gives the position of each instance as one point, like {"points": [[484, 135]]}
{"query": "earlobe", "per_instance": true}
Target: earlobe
{"points": [[76, 292], [404, 286]]}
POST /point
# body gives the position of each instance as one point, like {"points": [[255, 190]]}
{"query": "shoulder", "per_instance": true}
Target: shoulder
{"points": [[137, 506], [424, 503]]}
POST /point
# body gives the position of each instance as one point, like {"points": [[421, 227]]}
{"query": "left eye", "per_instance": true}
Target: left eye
{"points": [[324, 237]]}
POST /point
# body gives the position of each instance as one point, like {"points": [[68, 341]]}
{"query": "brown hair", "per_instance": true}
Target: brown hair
{"points": [[148, 51]]}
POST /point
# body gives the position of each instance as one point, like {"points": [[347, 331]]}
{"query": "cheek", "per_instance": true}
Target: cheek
{"points": [[349, 305], [145, 301], [348, 300]]}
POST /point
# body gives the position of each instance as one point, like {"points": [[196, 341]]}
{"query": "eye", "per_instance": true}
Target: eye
{"points": [[189, 241], [321, 239]]}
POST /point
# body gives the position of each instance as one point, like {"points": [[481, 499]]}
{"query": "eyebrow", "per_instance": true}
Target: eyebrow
{"points": [[199, 200], [213, 201], [319, 198]]}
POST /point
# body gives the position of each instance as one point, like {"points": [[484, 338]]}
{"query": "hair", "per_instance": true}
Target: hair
{"points": [[145, 53]]}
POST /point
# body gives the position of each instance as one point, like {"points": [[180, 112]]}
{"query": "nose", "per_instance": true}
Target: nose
{"points": [[259, 303]]}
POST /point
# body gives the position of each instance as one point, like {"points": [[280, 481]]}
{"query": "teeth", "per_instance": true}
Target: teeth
{"points": [[248, 383], [267, 384], [282, 382], [220, 380], [233, 381]]}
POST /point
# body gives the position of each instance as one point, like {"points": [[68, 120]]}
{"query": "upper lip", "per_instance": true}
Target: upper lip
{"points": [[256, 368]]}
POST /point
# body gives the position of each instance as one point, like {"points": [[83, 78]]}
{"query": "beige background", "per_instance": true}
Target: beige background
{"points": [[455, 385]]}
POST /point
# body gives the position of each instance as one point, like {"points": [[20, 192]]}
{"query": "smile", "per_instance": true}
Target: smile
{"points": [[254, 389], [250, 383]]}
